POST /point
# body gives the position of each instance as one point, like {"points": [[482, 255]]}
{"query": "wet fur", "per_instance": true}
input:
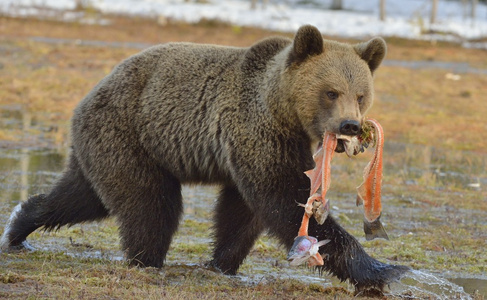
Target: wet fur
{"points": [[244, 118]]}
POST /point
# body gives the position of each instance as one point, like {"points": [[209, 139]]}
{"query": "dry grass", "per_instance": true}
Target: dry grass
{"points": [[425, 107], [51, 79]]}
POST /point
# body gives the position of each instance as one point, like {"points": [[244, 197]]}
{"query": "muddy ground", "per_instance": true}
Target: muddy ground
{"points": [[434, 194]]}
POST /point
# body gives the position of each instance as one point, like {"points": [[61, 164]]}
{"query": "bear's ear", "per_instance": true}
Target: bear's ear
{"points": [[372, 52], [307, 42]]}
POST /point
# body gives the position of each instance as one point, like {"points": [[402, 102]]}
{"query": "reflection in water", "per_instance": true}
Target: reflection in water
{"points": [[25, 158], [472, 285], [24, 172], [24, 168]]}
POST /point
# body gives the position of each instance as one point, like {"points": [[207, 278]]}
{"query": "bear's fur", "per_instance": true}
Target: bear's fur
{"points": [[245, 118]]}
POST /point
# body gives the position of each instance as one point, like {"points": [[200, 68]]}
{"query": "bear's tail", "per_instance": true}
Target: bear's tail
{"points": [[71, 201]]}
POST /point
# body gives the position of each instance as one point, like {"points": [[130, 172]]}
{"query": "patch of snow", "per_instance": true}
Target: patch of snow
{"points": [[358, 19]]}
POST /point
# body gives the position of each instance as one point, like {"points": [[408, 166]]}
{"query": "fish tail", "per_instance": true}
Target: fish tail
{"points": [[374, 229], [359, 201]]}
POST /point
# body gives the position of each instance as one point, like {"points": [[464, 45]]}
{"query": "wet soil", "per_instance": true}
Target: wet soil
{"points": [[426, 231]]}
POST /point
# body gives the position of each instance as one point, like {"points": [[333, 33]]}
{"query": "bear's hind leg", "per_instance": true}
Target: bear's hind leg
{"points": [[72, 200], [236, 230]]}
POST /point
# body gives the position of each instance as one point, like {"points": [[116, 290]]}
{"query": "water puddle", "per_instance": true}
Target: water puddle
{"points": [[423, 285], [455, 67], [25, 172], [474, 286], [91, 43]]}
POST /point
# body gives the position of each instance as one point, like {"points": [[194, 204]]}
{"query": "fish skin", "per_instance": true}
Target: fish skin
{"points": [[315, 174], [369, 192], [320, 212], [301, 245], [374, 230], [319, 179]]}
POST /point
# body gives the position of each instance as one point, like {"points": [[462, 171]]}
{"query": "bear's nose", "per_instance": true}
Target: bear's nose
{"points": [[350, 127]]}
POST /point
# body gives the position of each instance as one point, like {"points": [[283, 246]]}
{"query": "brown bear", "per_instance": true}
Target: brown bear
{"points": [[247, 119]]}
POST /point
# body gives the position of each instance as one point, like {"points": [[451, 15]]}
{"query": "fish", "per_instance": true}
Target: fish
{"points": [[369, 192], [305, 248]]}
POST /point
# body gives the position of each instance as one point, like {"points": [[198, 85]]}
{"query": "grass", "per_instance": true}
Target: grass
{"points": [[440, 112], [427, 218], [72, 273]]}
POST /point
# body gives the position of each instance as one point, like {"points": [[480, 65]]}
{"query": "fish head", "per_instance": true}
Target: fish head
{"points": [[302, 245], [305, 249], [300, 250]]}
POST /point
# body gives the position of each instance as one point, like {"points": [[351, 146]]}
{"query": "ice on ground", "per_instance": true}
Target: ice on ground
{"points": [[358, 19]]}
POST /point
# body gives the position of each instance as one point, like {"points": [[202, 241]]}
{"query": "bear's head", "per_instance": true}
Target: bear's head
{"points": [[330, 84]]}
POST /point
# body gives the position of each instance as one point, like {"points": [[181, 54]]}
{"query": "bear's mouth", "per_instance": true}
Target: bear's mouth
{"points": [[348, 144], [340, 146]]}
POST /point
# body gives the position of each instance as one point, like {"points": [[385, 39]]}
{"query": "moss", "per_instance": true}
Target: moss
{"points": [[10, 277], [366, 134]]}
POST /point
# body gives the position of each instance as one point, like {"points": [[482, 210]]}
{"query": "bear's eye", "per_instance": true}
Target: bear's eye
{"points": [[360, 99], [332, 95]]}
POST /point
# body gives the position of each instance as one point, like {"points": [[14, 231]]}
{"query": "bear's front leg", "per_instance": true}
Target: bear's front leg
{"points": [[346, 259], [236, 229]]}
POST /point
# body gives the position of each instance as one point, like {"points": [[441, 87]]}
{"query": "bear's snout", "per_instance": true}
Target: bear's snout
{"points": [[349, 127]]}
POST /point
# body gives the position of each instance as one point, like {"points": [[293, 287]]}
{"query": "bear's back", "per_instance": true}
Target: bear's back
{"points": [[171, 100]]}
